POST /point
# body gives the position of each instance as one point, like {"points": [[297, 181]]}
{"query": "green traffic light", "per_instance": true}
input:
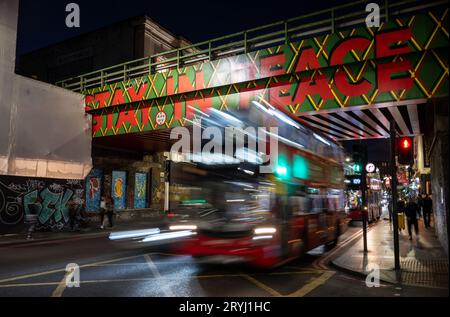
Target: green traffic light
{"points": [[357, 168]]}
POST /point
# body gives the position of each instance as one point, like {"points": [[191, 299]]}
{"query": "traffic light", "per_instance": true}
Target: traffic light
{"points": [[357, 167], [359, 157], [405, 151]]}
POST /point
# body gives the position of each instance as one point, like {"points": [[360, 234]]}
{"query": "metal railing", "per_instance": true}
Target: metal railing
{"points": [[282, 32]]}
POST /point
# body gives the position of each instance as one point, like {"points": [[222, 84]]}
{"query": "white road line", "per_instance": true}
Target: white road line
{"points": [[21, 277], [165, 288]]}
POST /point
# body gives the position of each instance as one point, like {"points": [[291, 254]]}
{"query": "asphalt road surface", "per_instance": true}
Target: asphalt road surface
{"points": [[38, 269]]}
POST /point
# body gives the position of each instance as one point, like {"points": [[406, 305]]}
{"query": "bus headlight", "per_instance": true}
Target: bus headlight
{"points": [[265, 230], [262, 237], [183, 227]]}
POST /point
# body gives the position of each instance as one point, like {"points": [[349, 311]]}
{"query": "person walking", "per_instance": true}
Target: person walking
{"points": [[32, 217], [73, 210], [102, 211], [110, 211], [412, 215], [427, 208], [106, 208]]}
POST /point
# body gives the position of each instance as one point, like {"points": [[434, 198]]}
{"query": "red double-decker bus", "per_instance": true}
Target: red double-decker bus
{"points": [[237, 214]]}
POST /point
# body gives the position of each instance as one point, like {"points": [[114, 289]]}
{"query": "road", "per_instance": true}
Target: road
{"points": [[38, 269]]}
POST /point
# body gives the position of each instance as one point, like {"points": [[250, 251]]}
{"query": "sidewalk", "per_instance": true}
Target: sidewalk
{"points": [[92, 231], [423, 262]]}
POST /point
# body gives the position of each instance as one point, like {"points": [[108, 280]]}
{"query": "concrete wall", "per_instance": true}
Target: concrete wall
{"points": [[439, 171]]}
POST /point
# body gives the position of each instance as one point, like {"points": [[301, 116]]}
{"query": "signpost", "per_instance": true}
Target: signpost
{"points": [[394, 195]]}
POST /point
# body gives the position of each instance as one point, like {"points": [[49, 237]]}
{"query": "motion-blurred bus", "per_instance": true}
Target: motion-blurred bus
{"points": [[238, 214]]}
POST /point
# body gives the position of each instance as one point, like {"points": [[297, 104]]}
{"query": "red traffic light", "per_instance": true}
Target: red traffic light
{"points": [[405, 151], [405, 143]]}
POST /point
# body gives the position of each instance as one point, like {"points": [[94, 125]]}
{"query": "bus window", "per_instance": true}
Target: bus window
{"points": [[335, 199], [317, 200], [299, 204]]}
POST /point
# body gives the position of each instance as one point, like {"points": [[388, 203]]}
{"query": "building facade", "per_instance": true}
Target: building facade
{"points": [[124, 41]]}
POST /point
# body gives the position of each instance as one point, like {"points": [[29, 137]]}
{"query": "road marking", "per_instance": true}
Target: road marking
{"points": [[261, 285], [59, 290], [163, 278], [322, 261], [29, 284], [165, 288], [152, 279], [21, 277], [44, 242], [312, 285]]}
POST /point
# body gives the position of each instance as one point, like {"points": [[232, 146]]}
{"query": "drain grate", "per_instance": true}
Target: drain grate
{"points": [[432, 273], [424, 266]]}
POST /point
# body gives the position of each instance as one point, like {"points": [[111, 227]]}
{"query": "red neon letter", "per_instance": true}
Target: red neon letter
{"points": [[272, 65], [339, 53], [348, 89], [139, 95], [102, 99], [126, 116], [307, 60], [387, 70], [385, 41], [184, 84], [320, 87], [97, 121], [280, 95], [117, 98], [178, 110]]}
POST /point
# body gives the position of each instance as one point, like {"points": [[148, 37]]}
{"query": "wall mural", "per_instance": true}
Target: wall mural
{"points": [[140, 190], [119, 192], [48, 197], [94, 190]]}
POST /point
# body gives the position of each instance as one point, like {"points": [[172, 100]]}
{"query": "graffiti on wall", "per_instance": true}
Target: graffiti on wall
{"points": [[94, 190], [119, 189], [47, 198]]}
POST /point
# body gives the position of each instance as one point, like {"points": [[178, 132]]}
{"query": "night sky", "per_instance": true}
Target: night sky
{"points": [[42, 23]]}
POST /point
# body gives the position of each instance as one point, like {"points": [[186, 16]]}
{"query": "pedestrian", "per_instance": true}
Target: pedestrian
{"points": [[32, 217], [420, 203], [400, 206], [106, 208], [412, 215], [73, 210], [109, 211], [102, 211], [427, 208]]}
